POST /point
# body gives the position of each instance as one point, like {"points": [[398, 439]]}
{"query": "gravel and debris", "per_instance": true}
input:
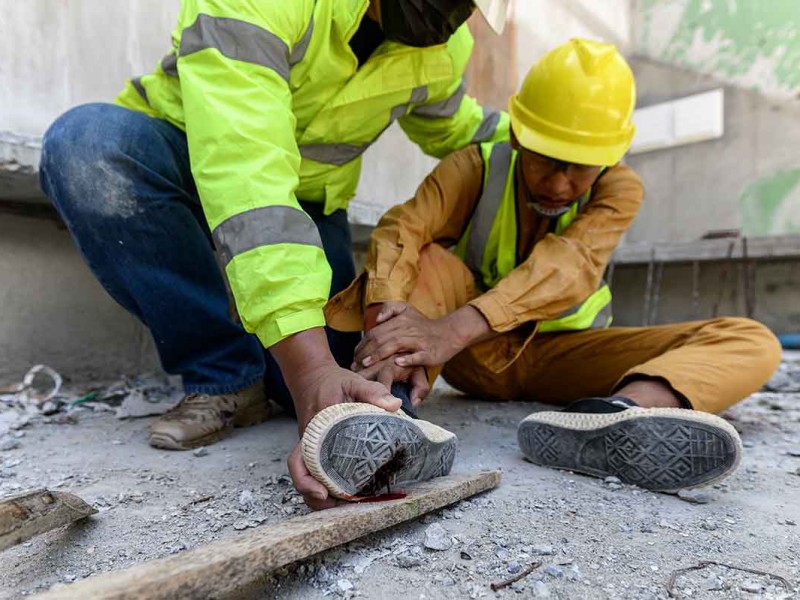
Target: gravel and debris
{"points": [[594, 538]]}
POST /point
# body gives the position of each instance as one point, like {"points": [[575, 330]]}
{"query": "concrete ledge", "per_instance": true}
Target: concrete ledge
{"points": [[762, 248], [19, 167]]}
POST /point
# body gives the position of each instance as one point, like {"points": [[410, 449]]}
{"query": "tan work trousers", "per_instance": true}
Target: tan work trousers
{"points": [[713, 363]]}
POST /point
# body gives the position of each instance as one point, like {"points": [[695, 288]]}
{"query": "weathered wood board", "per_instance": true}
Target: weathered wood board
{"points": [[25, 515], [226, 567]]}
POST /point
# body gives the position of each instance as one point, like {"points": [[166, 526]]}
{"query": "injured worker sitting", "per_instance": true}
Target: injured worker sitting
{"points": [[492, 276]]}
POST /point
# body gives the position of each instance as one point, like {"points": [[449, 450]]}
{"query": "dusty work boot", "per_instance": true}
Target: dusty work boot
{"points": [[203, 419], [660, 449], [359, 450]]}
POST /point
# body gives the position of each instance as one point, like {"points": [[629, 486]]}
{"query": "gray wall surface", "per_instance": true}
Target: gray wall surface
{"points": [[52, 310], [745, 180]]}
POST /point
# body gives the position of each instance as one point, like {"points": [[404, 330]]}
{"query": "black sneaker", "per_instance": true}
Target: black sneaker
{"points": [[660, 449]]}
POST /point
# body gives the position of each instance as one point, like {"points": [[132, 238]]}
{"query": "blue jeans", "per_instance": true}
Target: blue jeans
{"points": [[121, 181]]}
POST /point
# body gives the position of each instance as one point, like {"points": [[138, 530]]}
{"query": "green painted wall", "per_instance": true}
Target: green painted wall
{"points": [[755, 43], [771, 205]]}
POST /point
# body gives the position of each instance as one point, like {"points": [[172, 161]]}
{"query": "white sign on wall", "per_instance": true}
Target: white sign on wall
{"points": [[687, 120]]}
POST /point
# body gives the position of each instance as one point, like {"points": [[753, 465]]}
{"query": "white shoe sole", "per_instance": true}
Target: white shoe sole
{"points": [[660, 449], [359, 450]]}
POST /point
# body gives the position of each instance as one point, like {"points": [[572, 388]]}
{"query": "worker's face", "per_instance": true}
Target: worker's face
{"points": [[422, 23], [554, 185]]}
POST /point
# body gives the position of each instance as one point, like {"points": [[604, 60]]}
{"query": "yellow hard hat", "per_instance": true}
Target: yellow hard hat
{"points": [[576, 104]]}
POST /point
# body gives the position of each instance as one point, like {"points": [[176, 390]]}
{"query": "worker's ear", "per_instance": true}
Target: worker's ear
{"points": [[514, 141]]}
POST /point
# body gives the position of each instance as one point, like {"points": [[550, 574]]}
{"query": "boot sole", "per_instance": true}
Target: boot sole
{"points": [[663, 450], [247, 417], [357, 450]]}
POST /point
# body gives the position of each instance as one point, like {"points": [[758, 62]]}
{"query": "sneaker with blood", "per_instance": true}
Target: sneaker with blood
{"points": [[358, 450]]}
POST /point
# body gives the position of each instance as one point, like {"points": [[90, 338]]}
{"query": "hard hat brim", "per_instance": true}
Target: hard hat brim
{"points": [[581, 149], [494, 12]]}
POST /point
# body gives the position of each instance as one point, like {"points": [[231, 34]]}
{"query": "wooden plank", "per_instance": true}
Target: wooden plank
{"points": [[25, 515], [227, 567]]}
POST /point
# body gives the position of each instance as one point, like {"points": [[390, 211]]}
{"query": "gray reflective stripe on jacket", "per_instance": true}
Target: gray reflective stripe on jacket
{"points": [[486, 211], [488, 126], [341, 154], [169, 64], [237, 40], [216, 29], [264, 226], [444, 109], [136, 82]]}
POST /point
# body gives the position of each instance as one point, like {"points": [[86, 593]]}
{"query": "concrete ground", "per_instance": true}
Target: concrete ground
{"points": [[595, 539]]}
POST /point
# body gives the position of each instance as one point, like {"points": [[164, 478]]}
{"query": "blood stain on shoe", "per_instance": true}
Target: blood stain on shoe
{"points": [[384, 476]]}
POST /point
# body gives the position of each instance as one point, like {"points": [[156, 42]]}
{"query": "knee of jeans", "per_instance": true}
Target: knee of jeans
{"points": [[80, 170]]}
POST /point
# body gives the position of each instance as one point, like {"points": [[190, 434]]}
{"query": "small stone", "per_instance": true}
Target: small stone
{"points": [[790, 522], [574, 573], [9, 444], [543, 550], [540, 589], [502, 554], [514, 568], [408, 560], [794, 452], [613, 480], [694, 496], [241, 524], [752, 587], [554, 571], [201, 451], [247, 500], [344, 585], [437, 538], [748, 443], [466, 555], [49, 408]]}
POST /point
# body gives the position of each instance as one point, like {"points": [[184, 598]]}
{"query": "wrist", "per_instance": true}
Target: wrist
{"points": [[467, 325], [302, 353]]}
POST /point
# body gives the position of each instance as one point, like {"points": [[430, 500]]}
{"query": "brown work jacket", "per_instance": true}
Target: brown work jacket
{"points": [[553, 273]]}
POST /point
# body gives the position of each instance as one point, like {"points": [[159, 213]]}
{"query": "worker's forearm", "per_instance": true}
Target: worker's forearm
{"points": [[469, 326], [301, 354]]}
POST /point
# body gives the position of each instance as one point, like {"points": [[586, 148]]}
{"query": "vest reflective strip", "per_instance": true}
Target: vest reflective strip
{"points": [[169, 64], [487, 127], [136, 82], [237, 40], [444, 109], [341, 154], [301, 47], [332, 154], [574, 319], [486, 212], [264, 226]]}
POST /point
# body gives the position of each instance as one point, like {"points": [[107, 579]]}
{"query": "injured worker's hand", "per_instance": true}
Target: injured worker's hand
{"points": [[408, 337], [387, 373]]}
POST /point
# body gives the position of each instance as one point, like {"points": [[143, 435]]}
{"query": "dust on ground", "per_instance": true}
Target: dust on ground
{"points": [[594, 538]]}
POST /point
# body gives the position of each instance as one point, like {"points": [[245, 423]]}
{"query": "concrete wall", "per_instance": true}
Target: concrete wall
{"points": [[53, 311], [749, 43], [60, 53], [746, 180], [722, 291]]}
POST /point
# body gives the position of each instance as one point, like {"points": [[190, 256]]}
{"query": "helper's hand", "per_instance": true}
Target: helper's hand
{"points": [[316, 382], [387, 373], [402, 330]]}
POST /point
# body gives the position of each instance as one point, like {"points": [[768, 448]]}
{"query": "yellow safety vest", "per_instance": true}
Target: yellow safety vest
{"points": [[275, 108], [489, 244]]}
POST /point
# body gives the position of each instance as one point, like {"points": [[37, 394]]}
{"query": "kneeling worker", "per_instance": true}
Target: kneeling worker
{"points": [[518, 309]]}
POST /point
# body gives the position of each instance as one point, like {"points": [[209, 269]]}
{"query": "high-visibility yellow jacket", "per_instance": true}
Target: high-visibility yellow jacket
{"points": [[275, 108], [489, 243]]}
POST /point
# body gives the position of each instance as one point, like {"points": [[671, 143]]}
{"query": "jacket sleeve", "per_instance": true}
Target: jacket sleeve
{"points": [[562, 271], [438, 212], [234, 61], [450, 119]]}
